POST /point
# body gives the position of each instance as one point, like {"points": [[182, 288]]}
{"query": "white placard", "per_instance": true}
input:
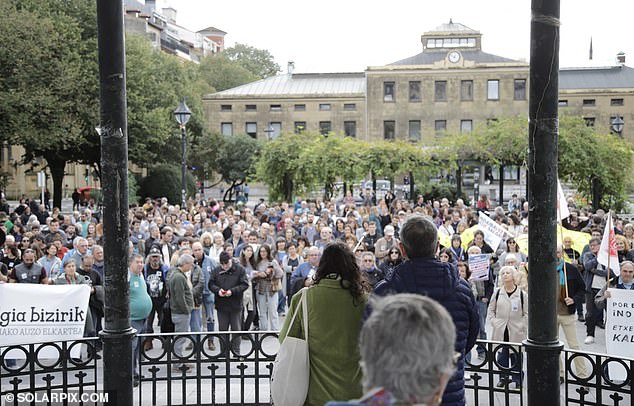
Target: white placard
{"points": [[479, 266], [619, 329], [493, 233], [31, 314]]}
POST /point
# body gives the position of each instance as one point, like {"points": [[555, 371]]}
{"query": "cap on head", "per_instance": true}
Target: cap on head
{"points": [[154, 251]]}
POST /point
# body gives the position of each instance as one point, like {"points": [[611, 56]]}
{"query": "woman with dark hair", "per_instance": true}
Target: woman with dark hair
{"points": [[445, 255], [393, 259], [268, 281], [459, 253], [335, 301]]}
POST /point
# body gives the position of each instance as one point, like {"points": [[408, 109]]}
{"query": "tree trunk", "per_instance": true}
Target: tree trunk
{"points": [[411, 187], [57, 173], [501, 184], [597, 194], [288, 187], [459, 180]]}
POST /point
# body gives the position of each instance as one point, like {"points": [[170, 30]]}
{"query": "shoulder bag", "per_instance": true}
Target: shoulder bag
{"points": [[291, 370]]}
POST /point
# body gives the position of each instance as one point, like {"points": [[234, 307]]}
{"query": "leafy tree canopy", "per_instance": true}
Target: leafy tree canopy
{"points": [[259, 62]]}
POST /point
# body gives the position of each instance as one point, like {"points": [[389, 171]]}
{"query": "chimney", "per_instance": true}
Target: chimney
{"points": [[170, 14], [290, 68], [620, 58], [151, 4]]}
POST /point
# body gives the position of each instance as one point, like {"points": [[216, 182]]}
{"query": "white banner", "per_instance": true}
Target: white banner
{"points": [[619, 330], [31, 314], [493, 233]]}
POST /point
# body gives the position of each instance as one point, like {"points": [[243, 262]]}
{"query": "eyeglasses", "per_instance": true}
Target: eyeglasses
{"points": [[512, 242], [368, 260], [394, 252]]}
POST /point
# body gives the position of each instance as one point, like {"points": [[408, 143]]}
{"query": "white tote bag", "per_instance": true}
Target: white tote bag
{"points": [[291, 370]]}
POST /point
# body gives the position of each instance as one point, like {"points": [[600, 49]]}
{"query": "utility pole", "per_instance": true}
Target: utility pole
{"points": [[117, 334], [543, 346]]}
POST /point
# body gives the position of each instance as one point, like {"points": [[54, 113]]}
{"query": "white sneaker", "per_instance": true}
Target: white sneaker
{"points": [[589, 340], [467, 376]]}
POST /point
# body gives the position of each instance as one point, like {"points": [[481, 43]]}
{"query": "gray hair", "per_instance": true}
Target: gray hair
{"points": [[514, 273], [425, 334], [419, 237], [184, 259]]}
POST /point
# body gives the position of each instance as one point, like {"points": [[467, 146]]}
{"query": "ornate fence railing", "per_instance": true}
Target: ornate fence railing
{"points": [[235, 369]]}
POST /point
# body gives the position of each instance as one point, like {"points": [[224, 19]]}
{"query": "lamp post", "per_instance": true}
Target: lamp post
{"points": [[182, 115], [269, 132], [617, 125]]}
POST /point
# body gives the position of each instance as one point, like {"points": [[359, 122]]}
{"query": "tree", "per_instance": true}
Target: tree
{"points": [[278, 166], [259, 62], [221, 73], [598, 164], [236, 160], [47, 87], [165, 181]]}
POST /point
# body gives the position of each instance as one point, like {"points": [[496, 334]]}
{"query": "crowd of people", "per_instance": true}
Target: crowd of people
{"points": [[244, 265]]}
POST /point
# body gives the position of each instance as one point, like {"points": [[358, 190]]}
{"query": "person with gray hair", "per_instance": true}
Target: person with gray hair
{"points": [[423, 274], [417, 370], [181, 303]]}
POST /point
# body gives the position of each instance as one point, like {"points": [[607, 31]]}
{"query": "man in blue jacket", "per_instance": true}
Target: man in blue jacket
{"points": [[423, 274]]}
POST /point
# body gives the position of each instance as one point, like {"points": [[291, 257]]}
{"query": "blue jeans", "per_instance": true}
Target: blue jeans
{"points": [[482, 315], [195, 323], [139, 326], [281, 302], [208, 303]]}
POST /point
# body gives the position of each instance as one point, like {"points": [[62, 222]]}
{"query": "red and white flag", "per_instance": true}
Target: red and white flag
{"points": [[608, 248]]}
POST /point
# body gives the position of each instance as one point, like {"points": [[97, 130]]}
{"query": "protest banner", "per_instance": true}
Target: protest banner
{"points": [[479, 266], [619, 330], [31, 314], [493, 233]]}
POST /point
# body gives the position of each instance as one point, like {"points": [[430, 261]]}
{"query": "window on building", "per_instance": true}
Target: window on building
{"points": [[519, 89], [414, 130], [589, 121], [324, 106], [300, 127], [389, 129], [414, 91], [616, 102], [350, 128], [250, 107], [349, 106], [226, 128], [388, 92], [466, 126], [251, 129], [225, 107], [325, 127], [493, 89], [276, 107], [300, 107], [589, 102], [440, 90], [466, 90], [274, 130], [563, 103], [440, 126]]}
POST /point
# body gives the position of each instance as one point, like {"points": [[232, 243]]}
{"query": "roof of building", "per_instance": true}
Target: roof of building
{"points": [[451, 28], [609, 77], [212, 29], [302, 84], [134, 5], [429, 58]]}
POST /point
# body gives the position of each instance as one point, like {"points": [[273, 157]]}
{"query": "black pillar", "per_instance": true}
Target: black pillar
{"points": [[501, 186], [543, 346], [459, 180], [411, 187], [117, 334]]}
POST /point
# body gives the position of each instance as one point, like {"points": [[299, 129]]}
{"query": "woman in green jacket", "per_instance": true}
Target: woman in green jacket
{"points": [[336, 301]]}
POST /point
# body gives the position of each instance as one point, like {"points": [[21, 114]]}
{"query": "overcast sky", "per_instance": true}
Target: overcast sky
{"points": [[349, 35]]}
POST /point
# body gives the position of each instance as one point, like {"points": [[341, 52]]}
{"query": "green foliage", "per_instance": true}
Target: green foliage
{"points": [[236, 158], [438, 191], [279, 163], [221, 73], [259, 62], [503, 142], [165, 181], [133, 189], [585, 155]]}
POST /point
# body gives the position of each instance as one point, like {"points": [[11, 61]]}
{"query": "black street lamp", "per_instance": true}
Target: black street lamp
{"points": [[617, 125], [182, 115]]}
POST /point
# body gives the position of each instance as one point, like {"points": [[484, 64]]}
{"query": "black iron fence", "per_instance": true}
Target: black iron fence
{"points": [[235, 369], [40, 373]]}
